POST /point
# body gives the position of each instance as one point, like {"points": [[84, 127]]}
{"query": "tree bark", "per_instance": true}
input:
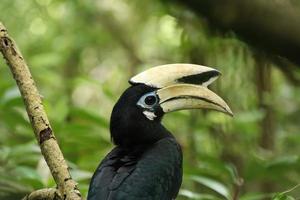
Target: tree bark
{"points": [[264, 89], [267, 125], [67, 187], [43, 194], [269, 25]]}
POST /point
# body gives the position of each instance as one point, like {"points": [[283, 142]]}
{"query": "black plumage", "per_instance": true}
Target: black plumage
{"points": [[146, 163]]}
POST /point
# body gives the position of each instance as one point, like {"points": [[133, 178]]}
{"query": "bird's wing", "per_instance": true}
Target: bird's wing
{"points": [[104, 174], [156, 175]]}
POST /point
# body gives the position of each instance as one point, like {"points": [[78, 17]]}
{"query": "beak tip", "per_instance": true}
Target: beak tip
{"points": [[229, 112]]}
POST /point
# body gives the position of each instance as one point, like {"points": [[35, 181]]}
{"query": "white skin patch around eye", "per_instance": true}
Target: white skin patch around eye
{"points": [[149, 115]]}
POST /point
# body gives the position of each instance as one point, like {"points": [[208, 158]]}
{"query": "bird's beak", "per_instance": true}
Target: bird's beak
{"points": [[183, 86], [187, 96]]}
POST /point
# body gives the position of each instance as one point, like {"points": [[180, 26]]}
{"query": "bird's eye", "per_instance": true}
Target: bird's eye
{"points": [[148, 100]]}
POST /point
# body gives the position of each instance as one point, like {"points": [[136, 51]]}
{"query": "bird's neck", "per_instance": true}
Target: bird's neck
{"points": [[130, 135]]}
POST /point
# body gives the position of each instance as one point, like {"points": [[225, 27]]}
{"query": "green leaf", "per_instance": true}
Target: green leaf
{"points": [[251, 196], [213, 184], [280, 196], [196, 196], [284, 196]]}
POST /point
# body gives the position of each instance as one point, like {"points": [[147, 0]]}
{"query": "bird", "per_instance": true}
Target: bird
{"points": [[146, 162]]}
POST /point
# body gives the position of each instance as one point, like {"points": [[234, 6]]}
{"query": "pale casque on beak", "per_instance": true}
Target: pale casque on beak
{"points": [[183, 86]]}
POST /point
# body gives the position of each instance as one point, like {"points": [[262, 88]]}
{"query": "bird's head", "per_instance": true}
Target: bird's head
{"points": [[137, 114]]}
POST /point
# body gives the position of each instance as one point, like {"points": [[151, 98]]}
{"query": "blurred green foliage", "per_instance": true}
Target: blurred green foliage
{"points": [[81, 54]]}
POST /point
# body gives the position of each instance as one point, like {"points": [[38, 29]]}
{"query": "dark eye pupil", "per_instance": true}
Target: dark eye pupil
{"points": [[150, 100]]}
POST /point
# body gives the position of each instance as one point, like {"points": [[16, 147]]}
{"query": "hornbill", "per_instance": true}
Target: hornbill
{"points": [[146, 163]]}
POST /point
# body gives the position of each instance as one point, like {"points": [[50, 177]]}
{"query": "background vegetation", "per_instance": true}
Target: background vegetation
{"points": [[81, 54]]}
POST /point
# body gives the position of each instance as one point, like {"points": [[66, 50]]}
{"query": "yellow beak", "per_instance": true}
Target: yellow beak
{"points": [[186, 96]]}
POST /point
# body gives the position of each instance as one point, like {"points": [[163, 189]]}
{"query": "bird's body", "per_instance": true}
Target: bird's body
{"points": [[142, 173], [146, 163]]}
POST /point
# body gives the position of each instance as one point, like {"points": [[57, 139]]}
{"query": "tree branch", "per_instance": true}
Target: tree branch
{"points": [[269, 25], [67, 187], [44, 194]]}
